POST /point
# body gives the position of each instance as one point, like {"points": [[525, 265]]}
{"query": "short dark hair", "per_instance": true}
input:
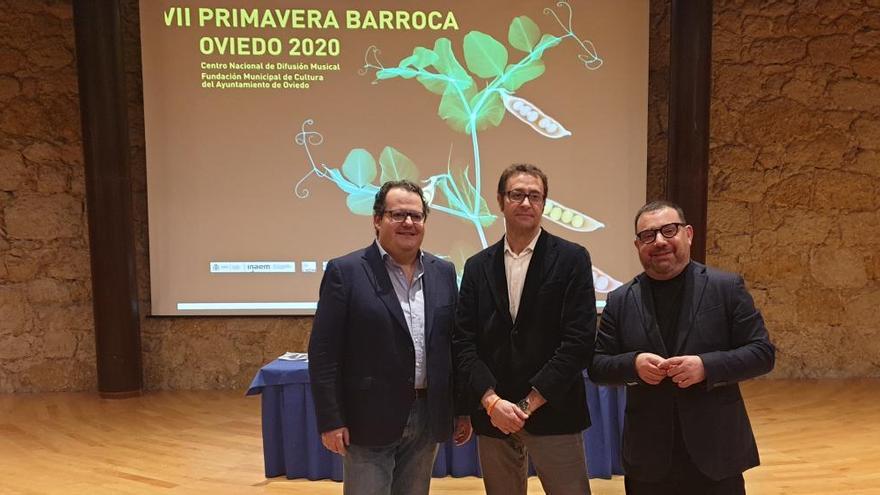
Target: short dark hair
{"points": [[406, 185], [658, 205], [521, 168]]}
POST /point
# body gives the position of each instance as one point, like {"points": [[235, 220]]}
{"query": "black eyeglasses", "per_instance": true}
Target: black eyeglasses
{"points": [[517, 196], [399, 216], [668, 231]]}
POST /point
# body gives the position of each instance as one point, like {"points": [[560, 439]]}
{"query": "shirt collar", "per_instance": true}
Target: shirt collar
{"points": [[387, 257], [528, 249]]}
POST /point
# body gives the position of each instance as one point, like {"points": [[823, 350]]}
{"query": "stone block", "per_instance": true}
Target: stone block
{"points": [[777, 266], [49, 53], [804, 92], [55, 216], [826, 150], [834, 49], [860, 309], [819, 308], [50, 291], [9, 88], [732, 157], [855, 94], [869, 38], [845, 190], [726, 47], [866, 162], [868, 65], [728, 217], [71, 263], [755, 26], [59, 344], [17, 346], [838, 268], [857, 229], [745, 185], [867, 131], [794, 191], [839, 119], [736, 81], [777, 51], [17, 316], [11, 60], [805, 226], [13, 172], [807, 24], [777, 122], [51, 180], [724, 121]]}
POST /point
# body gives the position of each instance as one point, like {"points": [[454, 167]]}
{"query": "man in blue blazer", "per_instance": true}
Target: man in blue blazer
{"points": [[380, 353], [681, 336]]}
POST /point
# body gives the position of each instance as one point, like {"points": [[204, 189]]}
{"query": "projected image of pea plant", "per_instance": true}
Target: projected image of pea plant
{"points": [[474, 98]]}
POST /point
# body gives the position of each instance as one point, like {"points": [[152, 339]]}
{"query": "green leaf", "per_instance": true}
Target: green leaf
{"points": [[484, 55], [454, 111], [547, 41], [448, 67], [360, 203], [397, 166], [359, 167], [491, 112], [523, 34], [420, 58], [517, 75]]}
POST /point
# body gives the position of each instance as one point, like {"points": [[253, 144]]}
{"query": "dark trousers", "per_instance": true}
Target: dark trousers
{"points": [[684, 478]]}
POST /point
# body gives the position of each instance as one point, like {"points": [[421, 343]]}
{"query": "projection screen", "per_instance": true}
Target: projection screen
{"points": [[270, 126]]}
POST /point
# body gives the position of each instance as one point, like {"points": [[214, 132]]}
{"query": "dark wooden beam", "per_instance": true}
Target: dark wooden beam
{"points": [[108, 196], [690, 73]]}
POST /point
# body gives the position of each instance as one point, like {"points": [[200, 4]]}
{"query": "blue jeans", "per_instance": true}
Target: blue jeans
{"points": [[401, 468]]}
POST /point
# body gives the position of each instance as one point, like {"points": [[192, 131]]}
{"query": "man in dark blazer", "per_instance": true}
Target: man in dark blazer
{"points": [[681, 336], [380, 353], [525, 328]]}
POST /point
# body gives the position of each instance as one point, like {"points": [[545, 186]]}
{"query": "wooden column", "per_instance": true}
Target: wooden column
{"points": [[690, 73], [108, 196]]}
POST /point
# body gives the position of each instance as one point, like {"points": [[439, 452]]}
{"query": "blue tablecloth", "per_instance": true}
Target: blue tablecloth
{"points": [[292, 444]]}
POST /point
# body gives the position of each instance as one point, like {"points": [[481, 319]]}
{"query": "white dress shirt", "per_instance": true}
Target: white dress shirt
{"points": [[515, 268]]}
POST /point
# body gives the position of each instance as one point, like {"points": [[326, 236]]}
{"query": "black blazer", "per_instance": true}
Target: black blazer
{"points": [[548, 345], [719, 323], [361, 354]]}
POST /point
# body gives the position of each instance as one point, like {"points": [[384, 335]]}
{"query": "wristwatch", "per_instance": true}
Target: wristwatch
{"points": [[524, 405]]}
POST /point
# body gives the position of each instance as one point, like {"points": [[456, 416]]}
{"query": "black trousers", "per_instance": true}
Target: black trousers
{"points": [[684, 478]]}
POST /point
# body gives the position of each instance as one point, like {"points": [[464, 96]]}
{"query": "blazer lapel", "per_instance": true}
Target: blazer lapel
{"points": [[694, 287], [645, 305], [429, 291], [540, 266], [378, 275], [497, 280]]}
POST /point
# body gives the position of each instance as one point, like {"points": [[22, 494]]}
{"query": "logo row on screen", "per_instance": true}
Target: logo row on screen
{"points": [[266, 266]]}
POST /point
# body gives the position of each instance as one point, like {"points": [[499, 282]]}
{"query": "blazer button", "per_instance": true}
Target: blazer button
{"points": [[412, 380]]}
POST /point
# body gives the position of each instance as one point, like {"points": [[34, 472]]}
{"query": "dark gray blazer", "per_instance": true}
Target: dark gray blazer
{"points": [[548, 345], [719, 323], [361, 354]]}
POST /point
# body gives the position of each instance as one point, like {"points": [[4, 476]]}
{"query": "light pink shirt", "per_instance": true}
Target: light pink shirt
{"points": [[515, 268]]}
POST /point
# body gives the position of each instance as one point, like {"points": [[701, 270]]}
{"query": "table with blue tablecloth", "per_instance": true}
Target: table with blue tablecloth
{"points": [[292, 445]]}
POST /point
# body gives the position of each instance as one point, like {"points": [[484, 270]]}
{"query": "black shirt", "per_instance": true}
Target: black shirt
{"points": [[667, 298]]}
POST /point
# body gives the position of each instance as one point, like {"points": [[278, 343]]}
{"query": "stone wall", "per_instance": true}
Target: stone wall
{"points": [[46, 329], [794, 176]]}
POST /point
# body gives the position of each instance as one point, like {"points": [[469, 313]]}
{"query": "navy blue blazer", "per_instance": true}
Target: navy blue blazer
{"points": [[720, 324], [548, 345], [361, 354]]}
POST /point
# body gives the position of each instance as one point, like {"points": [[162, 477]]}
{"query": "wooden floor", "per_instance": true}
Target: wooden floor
{"points": [[815, 437]]}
